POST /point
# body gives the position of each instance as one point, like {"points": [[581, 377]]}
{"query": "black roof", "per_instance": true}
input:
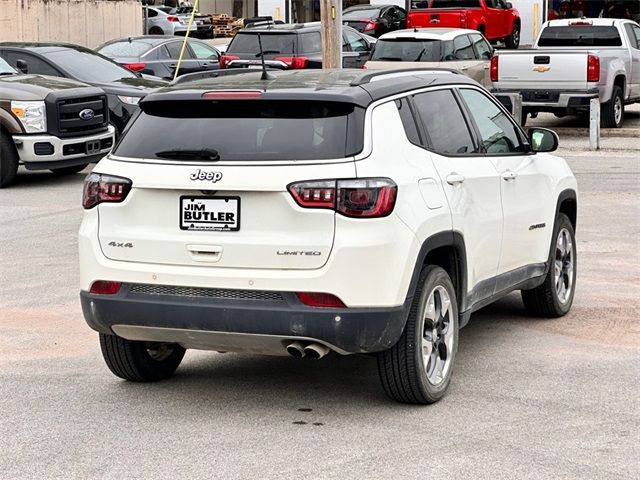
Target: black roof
{"points": [[360, 87]]}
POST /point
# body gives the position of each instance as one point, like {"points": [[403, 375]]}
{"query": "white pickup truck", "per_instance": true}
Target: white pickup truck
{"points": [[571, 62]]}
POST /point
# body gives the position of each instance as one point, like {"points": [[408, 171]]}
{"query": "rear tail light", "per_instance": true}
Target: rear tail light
{"points": [[593, 68], [103, 287], [358, 198], [294, 63], [135, 67], [581, 23], [494, 68], [99, 188], [370, 26], [322, 300], [226, 59], [171, 18], [232, 94]]}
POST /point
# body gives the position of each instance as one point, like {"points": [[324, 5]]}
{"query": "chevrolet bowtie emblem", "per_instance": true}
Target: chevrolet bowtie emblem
{"points": [[541, 69]]}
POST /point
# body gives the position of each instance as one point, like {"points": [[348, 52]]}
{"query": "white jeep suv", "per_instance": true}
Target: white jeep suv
{"points": [[315, 211]]}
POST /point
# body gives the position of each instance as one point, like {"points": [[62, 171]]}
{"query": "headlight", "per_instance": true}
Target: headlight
{"points": [[32, 115], [129, 100]]}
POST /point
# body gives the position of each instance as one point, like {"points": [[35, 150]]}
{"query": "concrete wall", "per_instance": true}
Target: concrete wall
{"points": [[85, 22]]}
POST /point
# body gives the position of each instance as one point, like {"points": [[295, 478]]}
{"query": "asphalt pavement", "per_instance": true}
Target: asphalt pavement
{"points": [[530, 398]]}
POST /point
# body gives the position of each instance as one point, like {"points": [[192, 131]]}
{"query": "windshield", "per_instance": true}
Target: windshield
{"points": [[125, 49], [363, 13], [408, 50], [5, 68], [246, 130], [454, 4], [580, 36], [271, 43], [89, 67]]}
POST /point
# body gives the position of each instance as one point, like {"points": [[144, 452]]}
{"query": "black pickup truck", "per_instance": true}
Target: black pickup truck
{"points": [[50, 123]]}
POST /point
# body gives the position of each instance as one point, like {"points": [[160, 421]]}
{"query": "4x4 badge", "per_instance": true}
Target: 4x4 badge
{"points": [[202, 175]]}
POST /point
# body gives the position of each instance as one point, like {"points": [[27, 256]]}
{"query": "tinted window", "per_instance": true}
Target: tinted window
{"points": [[174, 49], [462, 48], [125, 49], [580, 36], [34, 64], [273, 42], [497, 131], [444, 123], [311, 42], [151, 13], [407, 50], [482, 47], [203, 52], [408, 121], [89, 67], [356, 42], [633, 32], [5, 67], [246, 130]]}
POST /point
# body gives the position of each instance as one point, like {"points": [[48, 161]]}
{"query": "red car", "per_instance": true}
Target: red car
{"points": [[497, 20]]}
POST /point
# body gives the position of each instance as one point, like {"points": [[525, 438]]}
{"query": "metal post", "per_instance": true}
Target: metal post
{"points": [[331, 21], [516, 107], [594, 124]]}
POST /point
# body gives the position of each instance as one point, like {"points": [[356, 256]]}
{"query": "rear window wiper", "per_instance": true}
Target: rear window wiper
{"points": [[202, 154], [268, 52]]}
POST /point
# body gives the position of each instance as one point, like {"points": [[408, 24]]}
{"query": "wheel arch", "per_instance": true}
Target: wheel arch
{"points": [[568, 204]]}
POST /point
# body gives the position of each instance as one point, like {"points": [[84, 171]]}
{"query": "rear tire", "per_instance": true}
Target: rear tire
{"points": [[554, 297], [418, 368], [513, 41], [613, 111], [140, 361], [69, 170], [8, 160]]}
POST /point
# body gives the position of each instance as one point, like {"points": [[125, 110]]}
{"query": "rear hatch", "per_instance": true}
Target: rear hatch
{"points": [[209, 182], [279, 48]]}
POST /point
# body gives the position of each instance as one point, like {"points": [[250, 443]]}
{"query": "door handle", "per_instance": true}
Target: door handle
{"points": [[509, 176], [455, 178]]}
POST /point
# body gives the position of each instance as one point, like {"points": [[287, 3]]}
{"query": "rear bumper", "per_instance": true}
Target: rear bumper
{"points": [[227, 321], [549, 100], [60, 152]]}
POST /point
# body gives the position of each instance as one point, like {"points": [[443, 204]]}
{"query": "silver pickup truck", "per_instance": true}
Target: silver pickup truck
{"points": [[571, 62]]}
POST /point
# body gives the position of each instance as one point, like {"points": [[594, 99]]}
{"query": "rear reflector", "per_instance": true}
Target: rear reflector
{"points": [[135, 67], [236, 95], [104, 287], [494, 68], [321, 300], [99, 188], [593, 68]]}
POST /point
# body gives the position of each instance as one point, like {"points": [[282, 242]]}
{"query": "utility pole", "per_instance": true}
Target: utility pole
{"points": [[331, 21]]}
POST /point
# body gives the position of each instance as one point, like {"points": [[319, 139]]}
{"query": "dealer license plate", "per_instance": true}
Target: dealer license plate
{"points": [[217, 214]]}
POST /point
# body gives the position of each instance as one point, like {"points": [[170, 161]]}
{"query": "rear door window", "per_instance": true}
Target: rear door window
{"points": [[245, 130], [481, 47], [174, 49], [311, 42], [462, 48], [580, 36]]}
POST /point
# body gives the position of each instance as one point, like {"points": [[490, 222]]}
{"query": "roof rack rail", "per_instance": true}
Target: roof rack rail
{"points": [[371, 75], [190, 77]]}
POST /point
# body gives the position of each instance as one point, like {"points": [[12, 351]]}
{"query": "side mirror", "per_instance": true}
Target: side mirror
{"points": [[22, 66], [543, 140]]}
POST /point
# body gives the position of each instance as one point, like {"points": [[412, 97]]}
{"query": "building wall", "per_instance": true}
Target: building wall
{"points": [[84, 22]]}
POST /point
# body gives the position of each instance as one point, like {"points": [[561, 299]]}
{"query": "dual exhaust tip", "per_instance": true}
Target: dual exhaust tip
{"points": [[311, 350]]}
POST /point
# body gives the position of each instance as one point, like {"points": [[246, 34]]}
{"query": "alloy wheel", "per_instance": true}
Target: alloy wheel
{"points": [[438, 336], [564, 265]]}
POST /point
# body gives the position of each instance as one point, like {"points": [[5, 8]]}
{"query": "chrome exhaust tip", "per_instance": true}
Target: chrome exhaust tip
{"points": [[296, 349], [316, 351]]}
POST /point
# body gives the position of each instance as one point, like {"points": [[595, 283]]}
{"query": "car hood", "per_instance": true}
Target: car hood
{"points": [[34, 87], [138, 86]]}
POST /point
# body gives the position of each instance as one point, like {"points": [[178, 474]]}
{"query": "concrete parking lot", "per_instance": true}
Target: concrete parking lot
{"points": [[530, 399]]}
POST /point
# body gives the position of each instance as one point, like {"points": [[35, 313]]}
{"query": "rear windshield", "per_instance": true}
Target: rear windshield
{"points": [[361, 13], [125, 49], [455, 4], [272, 43], [236, 130], [409, 50], [580, 36]]}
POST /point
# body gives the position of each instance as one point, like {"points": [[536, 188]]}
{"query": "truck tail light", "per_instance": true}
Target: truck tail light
{"points": [[357, 198], [226, 59], [322, 300], [370, 26], [593, 68], [99, 188], [104, 287], [135, 67], [494, 68], [294, 63]]}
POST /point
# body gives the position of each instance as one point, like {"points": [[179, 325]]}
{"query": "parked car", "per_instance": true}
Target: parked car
{"points": [[365, 212], [170, 21], [464, 50], [375, 20], [50, 123], [571, 62], [292, 46], [123, 87], [497, 20], [158, 55]]}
